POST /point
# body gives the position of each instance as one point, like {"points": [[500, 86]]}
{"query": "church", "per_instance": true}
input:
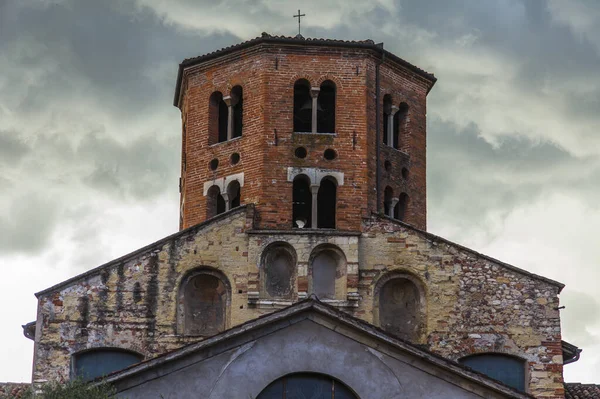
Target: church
{"points": [[303, 267]]}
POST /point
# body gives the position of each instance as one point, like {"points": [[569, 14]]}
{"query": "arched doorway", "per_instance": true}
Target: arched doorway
{"points": [[307, 385]]}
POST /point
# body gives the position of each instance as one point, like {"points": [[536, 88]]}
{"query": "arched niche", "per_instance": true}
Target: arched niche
{"points": [[400, 306], [326, 107], [401, 207], [93, 363], [215, 203], [301, 202], [388, 194], [204, 303], [302, 106], [234, 194], [506, 368], [387, 109], [237, 96], [217, 118], [400, 130], [327, 272], [278, 270], [327, 203], [307, 385]]}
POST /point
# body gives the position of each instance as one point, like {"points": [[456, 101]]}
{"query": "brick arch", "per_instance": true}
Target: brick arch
{"points": [[334, 79], [186, 278], [296, 77], [132, 347]]}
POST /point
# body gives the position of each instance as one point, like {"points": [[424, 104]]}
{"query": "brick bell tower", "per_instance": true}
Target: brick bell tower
{"points": [[316, 133]]}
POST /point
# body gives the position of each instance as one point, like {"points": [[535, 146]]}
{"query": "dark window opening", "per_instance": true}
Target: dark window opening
{"points": [[238, 110], [326, 204], [279, 263], [404, 173], [214, 164], [508, 369], [401, 207], [300, 152], [302, 106], [235, 158], [217, 118], [387, 107], [324, 268], [301, 203], [326, 108], [329, 154], [306, 385], [215, 203], [99, 362], [387, 165], [399, 309], [204, 301], [400, 119], [388, 193], [234, 193]]}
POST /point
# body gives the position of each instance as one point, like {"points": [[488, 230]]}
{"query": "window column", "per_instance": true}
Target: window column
{"points": [[227, 201], [230, 102], [390, 125], [393, 203], [314, 94], [314, 190]]}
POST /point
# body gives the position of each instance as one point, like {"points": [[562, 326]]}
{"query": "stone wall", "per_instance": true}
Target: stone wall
{"points": [[13, 390], [472, 303]]}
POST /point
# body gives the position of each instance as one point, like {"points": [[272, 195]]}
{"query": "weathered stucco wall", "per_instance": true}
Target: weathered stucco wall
{"points": [[472, 304]]}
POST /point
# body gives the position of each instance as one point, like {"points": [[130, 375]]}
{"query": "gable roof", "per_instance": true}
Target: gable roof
{"points": [[313, 305], [432, 237], [577, 390], [266, 38]]}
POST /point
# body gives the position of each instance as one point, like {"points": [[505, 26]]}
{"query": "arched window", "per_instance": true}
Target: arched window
{"points": [[388, 193], [99, 362], [278, 267], [400, 308], [326, 203], [400, 119], [508, 369], [234, 194], [307, 385], [302, 106], [215, 203], [387, 109], [204, 297], [301, 202], [238, 110], [326, 108], [401, 207], [217, 118]]}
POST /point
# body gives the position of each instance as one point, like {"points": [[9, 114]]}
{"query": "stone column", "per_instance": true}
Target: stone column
{"points": [[393, 203], [229, 101], [390, 126], [227, 201], [314, 93], [314, 190]]}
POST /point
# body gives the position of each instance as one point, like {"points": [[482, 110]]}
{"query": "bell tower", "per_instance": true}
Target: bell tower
{"points": [[318, 134]]}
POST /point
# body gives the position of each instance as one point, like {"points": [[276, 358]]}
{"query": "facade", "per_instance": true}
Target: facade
{"points": [[304, 175]]}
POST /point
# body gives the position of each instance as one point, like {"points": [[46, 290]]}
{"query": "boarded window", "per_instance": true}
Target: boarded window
{"points": [[102, 361], [205, 299], [307, 385], [326, 108], [400, 119], [302, 106], [279, 263], [301, 203], [215, 204], [399, 308], [324, 267], [508, 369], [238, 110], [326, 204]]}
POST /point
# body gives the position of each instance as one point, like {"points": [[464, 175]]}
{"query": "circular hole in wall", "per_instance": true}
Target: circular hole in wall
{"points": [[405, 173], [300, 152], [387, 165], [235, 158], [214, 164], [329, 154]]}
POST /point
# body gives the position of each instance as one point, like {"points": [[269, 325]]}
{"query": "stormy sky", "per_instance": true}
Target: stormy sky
{"points": [[90, 141]]}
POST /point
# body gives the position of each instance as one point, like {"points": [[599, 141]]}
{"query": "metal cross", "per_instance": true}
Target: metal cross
{"points": [[299, 16]]}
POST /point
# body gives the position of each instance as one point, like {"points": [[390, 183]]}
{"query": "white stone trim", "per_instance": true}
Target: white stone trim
{"points": [[223, 182], [315, 175]]}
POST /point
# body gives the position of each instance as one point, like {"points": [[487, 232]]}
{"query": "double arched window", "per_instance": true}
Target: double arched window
{"points": [[314, 107], [225, 115], [395, 207], [306, 385], [395, 119], [204, 297], [218, 202], [314, 206]]}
